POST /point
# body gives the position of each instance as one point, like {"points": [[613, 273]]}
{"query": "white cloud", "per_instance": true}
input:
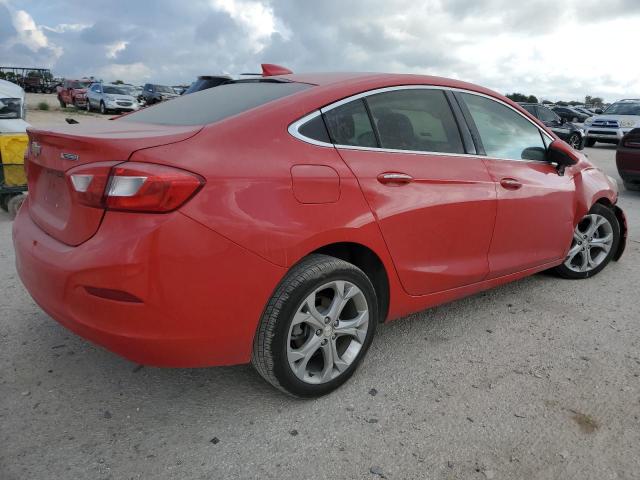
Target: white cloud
{"points": [[256, 18], [67, 27], [113, 49]]}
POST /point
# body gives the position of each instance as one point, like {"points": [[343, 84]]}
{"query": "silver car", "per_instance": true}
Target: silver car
{"points": [[107, 97]]}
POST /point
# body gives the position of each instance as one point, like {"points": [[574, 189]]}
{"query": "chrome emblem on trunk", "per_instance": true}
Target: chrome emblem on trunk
{"points": [[69, 156]]}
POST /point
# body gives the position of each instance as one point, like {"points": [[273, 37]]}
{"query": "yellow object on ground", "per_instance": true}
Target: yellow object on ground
{"points": [[12, 148]]}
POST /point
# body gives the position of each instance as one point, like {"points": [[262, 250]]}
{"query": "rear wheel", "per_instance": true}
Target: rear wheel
{"points": [[595, 240], [590, 142], [316, 328]]}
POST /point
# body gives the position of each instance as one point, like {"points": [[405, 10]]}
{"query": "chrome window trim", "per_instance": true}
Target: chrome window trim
{"points": [[293, 128]]}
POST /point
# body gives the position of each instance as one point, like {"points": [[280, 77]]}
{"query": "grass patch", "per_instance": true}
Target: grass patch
{"points": [[43, 106]]}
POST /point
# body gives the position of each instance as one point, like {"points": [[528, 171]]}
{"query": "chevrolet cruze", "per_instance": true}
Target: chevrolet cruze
{"points": [[279, 220]]}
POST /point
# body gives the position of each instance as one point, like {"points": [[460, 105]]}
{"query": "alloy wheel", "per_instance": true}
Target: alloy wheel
{"points": [[574, 141], [592, 241], [328, 331]]}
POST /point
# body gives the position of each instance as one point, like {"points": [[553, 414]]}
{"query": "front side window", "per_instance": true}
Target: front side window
{"points": [[624, 108], [504, 132], [349, 124], [419, 120]]}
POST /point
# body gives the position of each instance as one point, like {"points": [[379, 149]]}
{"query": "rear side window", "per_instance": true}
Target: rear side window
{"points": [[419, 120], [349, 124], [214, 104], [315, 129]]}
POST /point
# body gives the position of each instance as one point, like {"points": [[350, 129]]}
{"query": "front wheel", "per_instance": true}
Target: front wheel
{"points": [[575, 141], [595, 241], [62, 104], [103, 108], [316, 328]]}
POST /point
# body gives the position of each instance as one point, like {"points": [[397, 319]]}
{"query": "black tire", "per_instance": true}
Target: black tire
{"points": [[270, 344], [565, 272], [62, 104], [590, 142], [103, 108], [87, 105], [574, 140], [635, 187], [3, 202]]}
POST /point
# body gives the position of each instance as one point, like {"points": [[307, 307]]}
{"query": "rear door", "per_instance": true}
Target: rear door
{"points": [[534, 222], [434, 203]]}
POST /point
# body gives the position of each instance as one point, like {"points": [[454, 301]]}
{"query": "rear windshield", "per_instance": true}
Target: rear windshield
{"points": [[214, 104]]}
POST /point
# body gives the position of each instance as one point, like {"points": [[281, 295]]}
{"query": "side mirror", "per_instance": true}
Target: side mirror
{"points": [[598, 111], [534, 153], [562, 155]]}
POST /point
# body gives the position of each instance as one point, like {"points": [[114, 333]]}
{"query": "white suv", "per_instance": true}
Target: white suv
{"points": [[613, 123]]}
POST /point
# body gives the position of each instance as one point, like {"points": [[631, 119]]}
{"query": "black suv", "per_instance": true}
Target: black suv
{"points": [[206, 81], [567, 131], [152, 93], [570, 114]]}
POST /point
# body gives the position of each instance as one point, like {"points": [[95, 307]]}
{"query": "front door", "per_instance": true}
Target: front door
{"points": [[534, 221]]}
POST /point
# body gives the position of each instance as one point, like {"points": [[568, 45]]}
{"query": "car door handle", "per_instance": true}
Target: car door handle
{"points": [[395, 178], [510, 183]]}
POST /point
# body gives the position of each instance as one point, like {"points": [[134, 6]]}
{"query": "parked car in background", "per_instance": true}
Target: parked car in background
{"points": [[152, 93], [614, 123], [584, 110], [628, 159], [570, 114], [279, 222], [207, 81], [13, 144], [73, 92], [107, 97], [567, 131]]}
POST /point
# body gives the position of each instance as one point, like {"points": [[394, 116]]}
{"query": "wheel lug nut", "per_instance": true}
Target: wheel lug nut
{"points": [[327, 320], [318, 332], [579, 243], [324, 341], [336, 323], [333, 337]]}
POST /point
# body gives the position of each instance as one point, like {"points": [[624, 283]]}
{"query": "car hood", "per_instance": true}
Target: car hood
{"points": [[604, 116]]}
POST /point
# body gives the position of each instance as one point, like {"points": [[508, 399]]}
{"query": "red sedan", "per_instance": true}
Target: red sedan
{"points": [[278, 220]]}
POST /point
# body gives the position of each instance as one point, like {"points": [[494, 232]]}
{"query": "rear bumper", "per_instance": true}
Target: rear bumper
{"points": [[201, 296]]}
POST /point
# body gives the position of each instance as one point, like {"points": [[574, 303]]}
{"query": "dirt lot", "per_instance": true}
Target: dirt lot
{"points": [[56, 115], [538, 379]]}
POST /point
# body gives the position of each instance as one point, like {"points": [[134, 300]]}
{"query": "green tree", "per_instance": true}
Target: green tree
{"points": [[532, 99], [597, 102], [118, 82], [517, 97]]}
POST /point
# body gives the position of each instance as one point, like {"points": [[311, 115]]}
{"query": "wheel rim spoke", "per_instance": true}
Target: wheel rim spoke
{"points": [[592, 241], [327, 332]]}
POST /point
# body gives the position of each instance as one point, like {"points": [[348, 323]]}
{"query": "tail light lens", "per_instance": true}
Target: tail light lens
{"points": [[134, 187]]}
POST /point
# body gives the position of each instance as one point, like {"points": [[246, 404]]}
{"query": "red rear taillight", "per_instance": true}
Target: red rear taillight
{"points": [[130, 186]]}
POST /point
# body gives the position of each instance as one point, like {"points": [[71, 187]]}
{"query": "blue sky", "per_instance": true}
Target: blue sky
{"points": [[547, 48]]}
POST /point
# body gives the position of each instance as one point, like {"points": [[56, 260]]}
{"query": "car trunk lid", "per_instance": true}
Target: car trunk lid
{"points": [[53, 153]]}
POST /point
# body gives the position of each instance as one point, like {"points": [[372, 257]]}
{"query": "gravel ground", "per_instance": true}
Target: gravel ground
{"points": [[538, 379]]}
